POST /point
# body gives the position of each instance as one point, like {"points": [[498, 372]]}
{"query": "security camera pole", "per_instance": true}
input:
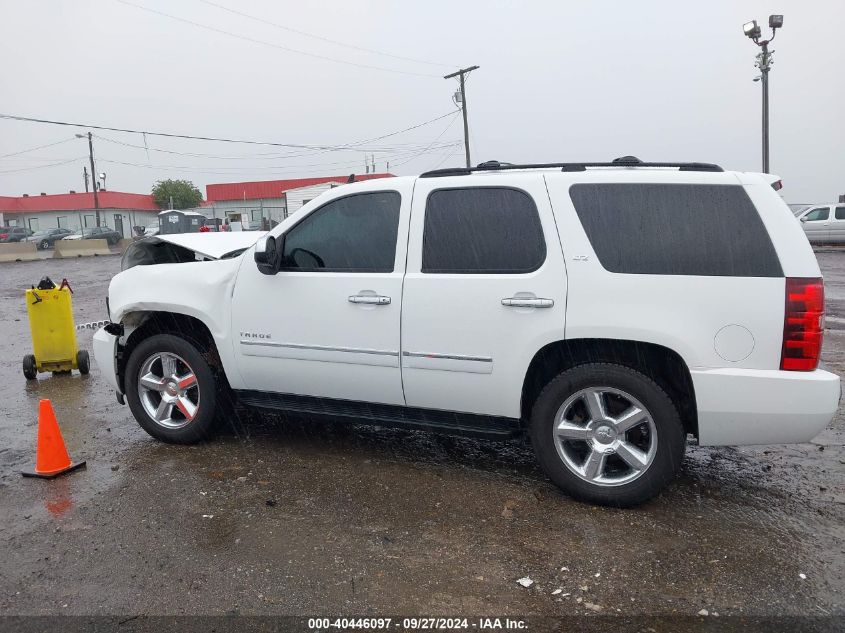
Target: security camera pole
{"points": [[93, 175], [460, 73], [764, 63]]}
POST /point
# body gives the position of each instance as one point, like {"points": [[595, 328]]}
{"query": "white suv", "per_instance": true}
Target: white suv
{"points": [[608, 310]]}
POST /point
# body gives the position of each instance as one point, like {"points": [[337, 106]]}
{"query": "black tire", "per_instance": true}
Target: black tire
{"points": [[202, 424], [44, 245], [29, 368], [83, 362], [670, 435]]}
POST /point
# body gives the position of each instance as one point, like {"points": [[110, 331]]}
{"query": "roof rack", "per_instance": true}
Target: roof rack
{"points": [[624, 161]]}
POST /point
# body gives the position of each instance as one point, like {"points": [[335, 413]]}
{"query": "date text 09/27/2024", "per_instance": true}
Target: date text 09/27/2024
{"points": [[417, 623]]}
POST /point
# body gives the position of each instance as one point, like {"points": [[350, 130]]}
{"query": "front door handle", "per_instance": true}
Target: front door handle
{"points": [[378, 300], [527, 302]]}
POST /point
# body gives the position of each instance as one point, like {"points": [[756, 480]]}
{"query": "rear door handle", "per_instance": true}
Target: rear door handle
{"points": [[526, 302], [378, 300]]}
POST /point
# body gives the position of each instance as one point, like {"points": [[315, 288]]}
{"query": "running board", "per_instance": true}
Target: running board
{"points": [[452, 423]]}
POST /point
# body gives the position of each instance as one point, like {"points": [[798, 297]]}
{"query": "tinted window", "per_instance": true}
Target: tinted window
{"points": [[817, 214], [675, 229], [352, 234], [839, 214], [482, 230]]}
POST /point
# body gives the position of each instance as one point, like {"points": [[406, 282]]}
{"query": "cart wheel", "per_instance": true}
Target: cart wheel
{"points": [[29, 369], [83, 364]]}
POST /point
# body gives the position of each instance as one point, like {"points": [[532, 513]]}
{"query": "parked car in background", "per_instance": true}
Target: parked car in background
{"points": [[96, 233], [824, 222], [14, 233], [214, 224], [798, 209], [46, 238]]}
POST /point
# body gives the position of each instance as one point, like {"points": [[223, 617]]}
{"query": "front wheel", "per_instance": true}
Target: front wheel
{"points": [[171, 389], [44, 245], [607, 434]]}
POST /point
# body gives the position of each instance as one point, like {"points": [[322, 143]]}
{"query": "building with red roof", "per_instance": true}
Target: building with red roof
{"points": [[118, 210], [267, 200], [271, 200]]}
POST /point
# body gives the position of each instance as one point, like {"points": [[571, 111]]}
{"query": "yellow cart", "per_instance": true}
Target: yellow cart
{"points": [[53, 333]]}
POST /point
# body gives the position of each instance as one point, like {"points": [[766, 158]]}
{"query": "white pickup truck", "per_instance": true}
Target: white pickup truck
{"points": [[608, 310]]}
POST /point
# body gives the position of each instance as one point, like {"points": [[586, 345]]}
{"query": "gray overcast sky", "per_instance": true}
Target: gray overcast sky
{"points": [[559, 81]]}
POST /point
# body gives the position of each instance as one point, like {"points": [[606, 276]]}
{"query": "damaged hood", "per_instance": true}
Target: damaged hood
{"points": [[213, 245], [187, 247]]}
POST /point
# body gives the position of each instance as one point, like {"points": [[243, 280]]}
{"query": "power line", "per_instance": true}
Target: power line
{"points": [[64, 162], [319, 37], [274, 168], [448, 156], [427, 148], [271, 44], [356, 144], [32, 149], [260, 156]]}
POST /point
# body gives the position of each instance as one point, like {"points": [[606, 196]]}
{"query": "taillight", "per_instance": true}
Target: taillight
{"points": [[803, 324]]}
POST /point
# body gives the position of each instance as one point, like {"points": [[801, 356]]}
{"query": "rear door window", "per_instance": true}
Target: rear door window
{"points": [[472, 230], [839, 214], [669, 229]]}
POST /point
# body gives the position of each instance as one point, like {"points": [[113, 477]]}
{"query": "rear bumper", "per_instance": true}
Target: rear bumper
{"points": [[105, 348], [747, 406]]}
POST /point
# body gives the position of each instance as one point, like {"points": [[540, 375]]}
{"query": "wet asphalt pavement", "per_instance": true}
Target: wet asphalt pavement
{"points": [[304, 517]]}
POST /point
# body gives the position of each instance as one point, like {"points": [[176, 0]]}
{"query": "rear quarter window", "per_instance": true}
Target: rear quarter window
{"points": [[668, 229]]}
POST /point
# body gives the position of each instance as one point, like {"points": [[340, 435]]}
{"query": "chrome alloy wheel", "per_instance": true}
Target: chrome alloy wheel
{"points": [[605, 436], [168, 390]]}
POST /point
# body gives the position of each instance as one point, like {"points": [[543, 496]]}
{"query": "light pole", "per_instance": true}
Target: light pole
{"points": [[103, 178], [764, 63], [93, 174]]}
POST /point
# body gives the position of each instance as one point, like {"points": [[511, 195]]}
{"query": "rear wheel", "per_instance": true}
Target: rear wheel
{"points": [[29, 367], [44, 245], [607, 434], [171, 389]]}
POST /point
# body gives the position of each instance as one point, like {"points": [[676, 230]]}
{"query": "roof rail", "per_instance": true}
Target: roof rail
{"points": [[624, 161]]}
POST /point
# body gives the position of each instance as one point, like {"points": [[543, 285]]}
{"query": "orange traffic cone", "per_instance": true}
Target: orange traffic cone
{"points": [[51, 458]]}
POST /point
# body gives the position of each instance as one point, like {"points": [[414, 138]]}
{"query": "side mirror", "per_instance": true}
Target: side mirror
{"points": [[267, 250], [804, 219]]}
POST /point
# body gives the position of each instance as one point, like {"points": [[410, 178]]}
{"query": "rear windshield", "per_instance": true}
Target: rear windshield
{"points": [[656, 229]]}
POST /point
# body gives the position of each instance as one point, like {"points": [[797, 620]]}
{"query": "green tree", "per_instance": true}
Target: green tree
{"points": [[185, 194]]}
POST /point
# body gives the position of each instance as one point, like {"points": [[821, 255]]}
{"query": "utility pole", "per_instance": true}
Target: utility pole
{"points": [[764, 62], [94, 178], [93, 175], [461, 73], [85, 175]]}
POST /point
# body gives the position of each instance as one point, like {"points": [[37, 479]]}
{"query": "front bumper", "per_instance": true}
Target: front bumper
{"points": [[748, 406], [105, 354]]}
